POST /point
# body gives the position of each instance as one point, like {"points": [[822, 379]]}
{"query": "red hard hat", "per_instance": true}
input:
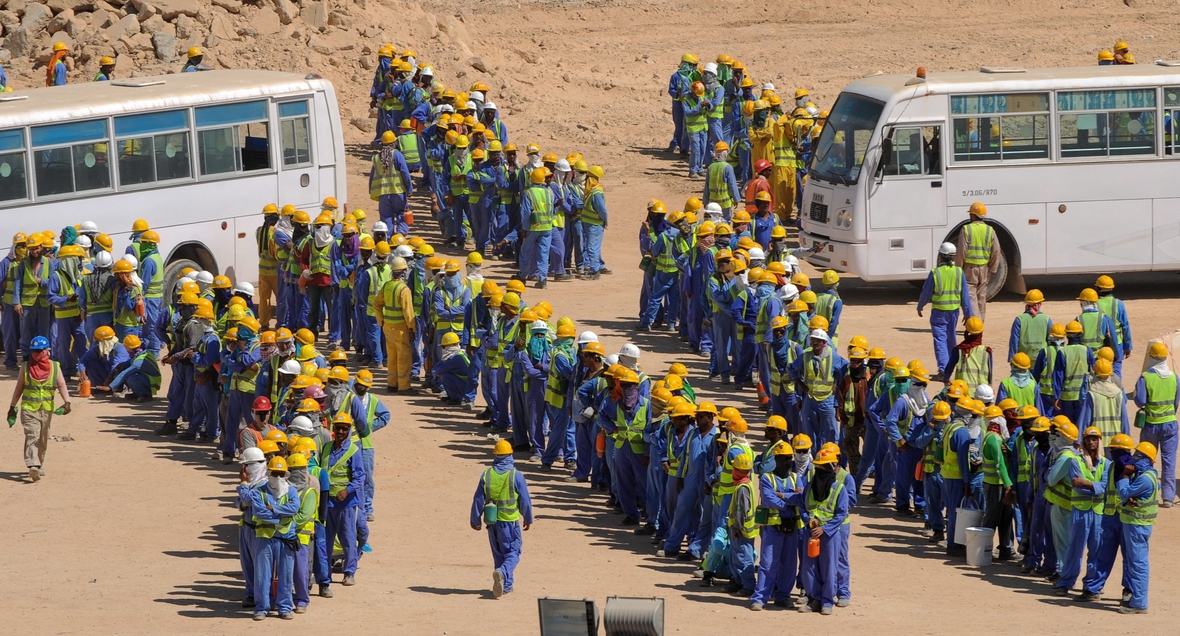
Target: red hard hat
{"points": [[262, 403], [314, 392], [761, 165]]}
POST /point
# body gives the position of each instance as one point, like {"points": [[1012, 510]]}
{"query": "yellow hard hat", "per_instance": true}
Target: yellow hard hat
{"points": [[825, 456], [687, 409], [689, 58], [338, 373], [462, 141], [977, 209], [1157, 350], [783, 448], [297, 460], [60, 46], [1033, 297], [388, 137], [818, 322], [777, 422], [449, 339], [1121, 46], [1088, 296], [941, 411], [194, 52], [278, 464], [727, 414], [1147, 449], [1122, 441], [132, 341], [778, 322], [1057, 330], [809, 297], [1073, 327], [342, 418], [1039, 425], [502, 447], [831, 277], [277, 436], [1104, 282], [301, 217], [1105, 56], [106, 60], [743, 462], [738, 425], [1105, 353], [382, 249], [1021, 361], [1103, 368], [974, 325], [801, 442]]}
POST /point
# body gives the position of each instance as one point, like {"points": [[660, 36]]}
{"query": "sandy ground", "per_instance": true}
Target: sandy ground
{"points": [[133, 533]]}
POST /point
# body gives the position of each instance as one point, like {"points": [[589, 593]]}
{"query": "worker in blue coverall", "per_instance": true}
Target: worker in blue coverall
{"points": [[537, 207], [655, 439], [450, 301], [744, 310], [594, 221], [875, 450], [64, 290], [946, 289], [819, 370], [241, 364], [782, 493], [843, 566], [206, 359], [769, 305], [679, 88], [956, 470], [491, 181], [827, 503], [626, 419], [1139, 490], [273, 516], [1071, 373], [31, 293], [345, 259], [1157, 397], [10, 320], [1042, 556], [390, 184], [1114, 309], [141, 376], [533, 361], [151, 271], [253, 475], [908, 410], [346, 475], [672, 457], [694, 503], [1087, 477], [559, 379], [103, 357], [742, 527], [502, 502], [722, 288], [663, 290], [452, 369], [927, 437], [1110, 534], [721, 186]]}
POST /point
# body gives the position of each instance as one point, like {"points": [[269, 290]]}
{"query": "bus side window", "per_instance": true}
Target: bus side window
{"points": [[916, 151], [233, 137], [295, 130], [73, 157], [13, 183], [255, 140]]}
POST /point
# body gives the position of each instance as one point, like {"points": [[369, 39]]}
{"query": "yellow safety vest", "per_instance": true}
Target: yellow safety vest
{"points": [[744, 525], [267, 530], [819, 382], [38, 394], [948, 288], [718, 187], [339, 474], [979, 243], [500, 489]]}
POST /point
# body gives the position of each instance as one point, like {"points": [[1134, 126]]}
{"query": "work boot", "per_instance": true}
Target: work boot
{"points": [[485, 414], [844, 602], [34, 474], [259, 616], [1061, 591], [733, 587], [540, 284], [186, 437], [369, 518], [628, 521], [827, 610], [787, 603], [756, 607], [687, 556], [563, 277], [349, 580], [247, 603], [646, 529], [1126, 598], [1006, 555], [325, 591], [1132, 610], [497, 583], [287, 616], [300, 609], [938, 536], [745, 593], [1086, 597], [707, 580], [169, 428]]}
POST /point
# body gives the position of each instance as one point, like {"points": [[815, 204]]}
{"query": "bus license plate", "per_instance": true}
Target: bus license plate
{"points": [[819, 212]]}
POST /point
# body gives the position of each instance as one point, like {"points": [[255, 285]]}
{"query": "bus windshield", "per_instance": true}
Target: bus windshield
{"points": [[845, 138]]}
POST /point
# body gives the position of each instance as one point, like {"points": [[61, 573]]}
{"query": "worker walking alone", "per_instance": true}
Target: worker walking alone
{"points": [[947, 292], [502, 501], [35, 387], [978, 253], [1157, 397]]}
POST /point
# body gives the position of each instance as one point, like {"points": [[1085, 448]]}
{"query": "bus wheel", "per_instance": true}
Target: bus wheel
{"points": [[172, 275], [996, 283]]}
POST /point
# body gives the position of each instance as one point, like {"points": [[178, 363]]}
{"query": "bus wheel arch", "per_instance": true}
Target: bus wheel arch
{"points": [[191, 254], [1008, 275]]}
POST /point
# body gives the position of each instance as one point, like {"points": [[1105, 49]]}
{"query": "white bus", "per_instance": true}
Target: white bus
{"points": [[197, 155], [1076, 167]]}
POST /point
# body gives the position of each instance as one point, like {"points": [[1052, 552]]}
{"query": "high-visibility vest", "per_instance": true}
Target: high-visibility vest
{"points": [[32, 293], [718, 186], [784, 151], [541, 219], [408, 145], [320, 258], [459, 176], [780, 380], [696, 122], [665, 261], [675, 458], [1144, 511], [307, 529], [744, 525], [339, 473], [631, 430], [1092, 335], [282, 252], [1107, 409], [1161, 398], [155, 286], [725, 482], [385, 181], [991, 467], [1045, 383], [243, 380], [589, 215], [294, 267], [507, 196], [66, 287], [1024, 396], [379, 274], [824, 511], [819, 382], [267, 530], [393, 101], [1081, 501], [905, 423], [948, 288], [774, 518], [10, 280], [150, 367], [38, 394], [449, 325], [268, 264], [1023, 462], [556, 385], [973, 367], [370, 404], [391, 295], [1033, 331], [500, 489], [950, 457], [127, 317], [1109, 306], [1076, 368], [762, 320], [932, 456], [825, 304], [1060, 494], [979, 243]]}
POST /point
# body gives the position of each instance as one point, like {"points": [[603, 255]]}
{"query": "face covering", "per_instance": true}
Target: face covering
{"points": [[760, 118], [686, 69], [1160, 366], [857, 372], [630, 397], [453, 283], [1143, 464], [1021, 377], [821, 484], [105, 347], [266, 350], [783, 465], [323, 236], [537, 347], [40, 365], [1042, 441], [255, 473], [336, 391], [209, 327], [277, 486], [765, 290], [450, 351], [802, 462], [710, 82], [901, 387], [917, 400], [298, 478]]}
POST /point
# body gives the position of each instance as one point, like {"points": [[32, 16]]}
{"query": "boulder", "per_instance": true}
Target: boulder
{"points": [[172, 8], [266, 22], [36, 18], [286, 10], [340, 19], [20, 42], [76, 26], [151, 23], [186, 27], [315, 14], [125, 26], [233, 6], [165, 47], [58, 23], [222, 27], [72, 5], [141, 42]]}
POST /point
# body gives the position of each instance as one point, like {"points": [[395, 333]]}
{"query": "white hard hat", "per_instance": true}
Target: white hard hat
{"points": [[426, 71], [204, 278], [252, 455], [813, 111], [404, 251], [711, 68], [947, 249], [135, 262], [788, 292], [244, 288], [539, 325], [380, 226], [984, 392], [713, 208], [768, 86], [587, 336], [489, 106], [83, 241], [446, 108], [88, 226], [611, 360], [792, 262], [470, 105], [818, 334], [756, 254], [630, 350], [302, 425], [103, 259], [563, 165], [290, 367], [476, 96]]}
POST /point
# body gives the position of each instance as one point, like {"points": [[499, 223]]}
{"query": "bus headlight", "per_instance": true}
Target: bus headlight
{"points": [[843, 219]]}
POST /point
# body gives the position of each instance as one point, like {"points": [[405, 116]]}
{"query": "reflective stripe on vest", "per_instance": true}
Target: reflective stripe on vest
{"points": [[1033, 332], [500, 489], [267, 530], [319, 259], [694, 123], [150, 367], [780, 380], [1108, 306], [1161, 398], [268, 264], [775, 516], [391, 292], [65, 288], [718, 186], [979, 243], [725, 482], [1107, 410], [556, 385], [948, 288], [1024, 396], [307, 529], [155, 286], [10, 280], [1077, 366], [744, 525], [1045, 383], [541, 219], [1023, 462], [1081, 501], [379, 274], [1143, 512], [589, 215], [819, 382], [1061, 493], [30, 291], [823, 511], [1092, 335], [973, 367], [665, 260], [244, 380], [631, 431], [339, 473], [784, 152], [459, 176], [408, 145], [38, 394], [127, 317], [294, 267], [950, 458], [991, 467], [370, 404]]}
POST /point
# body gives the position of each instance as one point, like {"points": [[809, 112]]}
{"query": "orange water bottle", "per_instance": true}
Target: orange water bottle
{"points": [[84, 388], [600, 444], [812, 548]]}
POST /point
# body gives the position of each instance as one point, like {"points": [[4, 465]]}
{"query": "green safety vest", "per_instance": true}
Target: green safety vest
{"points": [[282, 254], [932, 456], [307, 529], [294, 267], [243, 381], [718, 187], [694, 123], [155, 286], [339, 473], [32, 293], [950, 458], [1076, 368], [819, 382], [1107, 410], [775, 517], [370, 403], [979, 243], [991, 467], [1142, 513], [1023, 462], [1061, 493], [780, 380], [744, 525], [665, 262], [784, 152], [1092, 335], [459, 176], [1024, 396], [589, 215], [500, 489], [267, 530], [1080, 501], [823, 511], [151, 368], [725, 482], [973, 368], [65, 286], [128, 317], [320, 258], [761, 320], [631, 431], [541, 219], [825, 304], [670, 448], [379, 274], [268, 265], [408, 145], [1045, 382], [948, 288], [391, 292], [38, 394], [1033, 333], [1108, 306], [10, 280], [1161, 398], [556, 385]]}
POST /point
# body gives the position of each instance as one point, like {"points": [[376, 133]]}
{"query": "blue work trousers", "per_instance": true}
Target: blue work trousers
{"points": [[778, 565], [340, 322], [819, 573], [246, 557], [273, 559], [1135, 540], [36, 322], [657, 513], [631, 477], [70, 346], [904, 462], [151, 318], [302, 575], [206, 411], [724, 343], [556, 265], [10, 329], [686, 518], [505, 538], [534, 255], [942, 327], [561, 443], [241, 406], [592, 248], [952, 498], [742, 563], [1110, 541], [932, 491], [663, 287], [696, 152], [342, 526], [182, 377], [392, 209], [1164, 437], [369, 456], [678, 141], [584, 444], [1084, 533]]}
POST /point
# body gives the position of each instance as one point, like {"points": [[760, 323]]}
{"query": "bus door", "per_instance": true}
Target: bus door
{"points": [[298, 182], [908, 189]]}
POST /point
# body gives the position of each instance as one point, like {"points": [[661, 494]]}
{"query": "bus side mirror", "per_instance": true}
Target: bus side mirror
{"points": [[886, 155]]}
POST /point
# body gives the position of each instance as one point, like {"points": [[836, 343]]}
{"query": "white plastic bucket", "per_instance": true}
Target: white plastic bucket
{"points": [[979, 546], [966, 518]]}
